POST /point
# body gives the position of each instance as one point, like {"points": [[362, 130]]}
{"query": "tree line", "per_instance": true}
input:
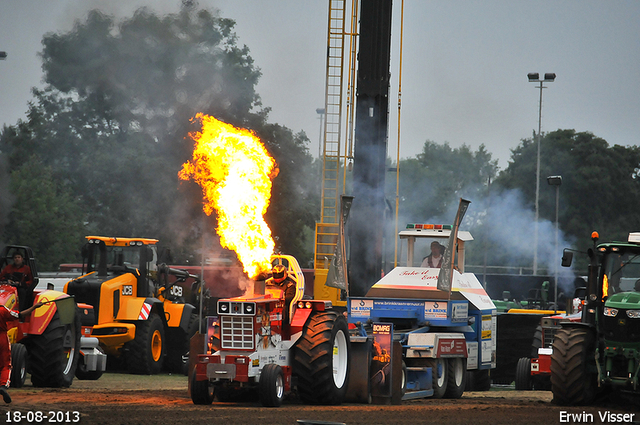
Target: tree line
{"points": [[103, 141]]}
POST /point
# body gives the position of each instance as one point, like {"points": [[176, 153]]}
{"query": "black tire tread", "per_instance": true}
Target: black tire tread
{"points": [[268, 378], [313, 359], [46, 364], [478, 380], [178, 344], [19, 365], [523, 374], [438, 392], [201, 391], [453, 389], [571, 383], [87, 375]]}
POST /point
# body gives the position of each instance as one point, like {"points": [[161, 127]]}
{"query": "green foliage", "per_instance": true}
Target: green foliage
{"points": [[44, 216], [295, 200], [600, 186], [432, 183]]}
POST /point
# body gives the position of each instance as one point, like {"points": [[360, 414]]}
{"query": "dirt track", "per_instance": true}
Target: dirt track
{"points": [[163, 399]]}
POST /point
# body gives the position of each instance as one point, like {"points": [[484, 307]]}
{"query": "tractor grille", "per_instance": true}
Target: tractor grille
{"points": [[236, 332], [621, 328], [549, 328]]}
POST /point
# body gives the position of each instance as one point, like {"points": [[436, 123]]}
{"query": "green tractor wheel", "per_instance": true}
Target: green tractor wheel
{"points": [[573, 376]]}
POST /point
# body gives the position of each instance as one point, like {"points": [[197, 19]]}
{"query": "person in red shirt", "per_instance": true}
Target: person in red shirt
{"points": [[19, 275], [6, 317]]}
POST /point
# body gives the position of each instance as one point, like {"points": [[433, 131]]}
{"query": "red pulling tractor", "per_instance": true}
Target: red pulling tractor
{"points": [[535, 372], [47, 342], [258, 351]]}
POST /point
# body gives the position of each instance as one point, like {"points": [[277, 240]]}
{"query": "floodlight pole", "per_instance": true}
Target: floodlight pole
{"points": [[534, 78]]}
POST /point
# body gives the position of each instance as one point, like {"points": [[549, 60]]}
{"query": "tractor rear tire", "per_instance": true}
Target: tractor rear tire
{"points": [[201, 391], [523, 374], [145, 354], [321, 359], [271, 386], [573, 376], [178, 344], [19, 365], [439, 375], [53, 355], [456, 377]]}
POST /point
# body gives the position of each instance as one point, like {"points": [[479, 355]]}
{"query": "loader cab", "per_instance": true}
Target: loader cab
{"points": [[417, 239], [110, 256]]}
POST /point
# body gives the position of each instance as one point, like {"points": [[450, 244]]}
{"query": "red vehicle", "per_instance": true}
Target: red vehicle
{"points": [[47, 342], [535, 373], [258, 350]]}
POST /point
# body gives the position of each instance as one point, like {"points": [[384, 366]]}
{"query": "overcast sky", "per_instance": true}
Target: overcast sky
{"points": [[464, 64]]}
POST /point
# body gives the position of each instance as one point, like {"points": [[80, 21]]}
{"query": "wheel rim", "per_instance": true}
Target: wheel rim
{"points": [[404, 379], [279, 386], [458, 371], [339, 359], [440, 367], [156, 345], [69, 344]]}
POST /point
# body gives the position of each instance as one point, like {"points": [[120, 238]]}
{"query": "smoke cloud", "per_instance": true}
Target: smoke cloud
{"points": [[503, 226]]}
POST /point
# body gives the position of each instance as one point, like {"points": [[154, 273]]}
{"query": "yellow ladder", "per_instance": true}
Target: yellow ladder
{"points": [[327, 228]]}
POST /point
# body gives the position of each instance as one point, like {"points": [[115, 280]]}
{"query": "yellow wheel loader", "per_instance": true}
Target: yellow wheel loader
{"points": [[139, 315]]}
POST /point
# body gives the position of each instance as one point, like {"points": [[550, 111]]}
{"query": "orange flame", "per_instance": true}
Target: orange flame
{"points": [[235, 171]]}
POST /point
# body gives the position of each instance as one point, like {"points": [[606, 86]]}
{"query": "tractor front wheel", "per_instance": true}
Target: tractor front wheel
{"points": [[271, 385], [19, 365], [523, 374], [87, 375], [201, 391], [321, 359], [145, 353]]}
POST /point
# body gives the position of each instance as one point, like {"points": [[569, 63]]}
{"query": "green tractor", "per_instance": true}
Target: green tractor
{"points": [[602, 351]]}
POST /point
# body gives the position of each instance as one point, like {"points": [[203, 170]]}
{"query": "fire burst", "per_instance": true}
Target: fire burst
{"points": [[235, 171]]}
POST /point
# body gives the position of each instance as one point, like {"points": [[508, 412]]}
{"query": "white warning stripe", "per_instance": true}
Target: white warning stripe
{"points": [[144, 311]]}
